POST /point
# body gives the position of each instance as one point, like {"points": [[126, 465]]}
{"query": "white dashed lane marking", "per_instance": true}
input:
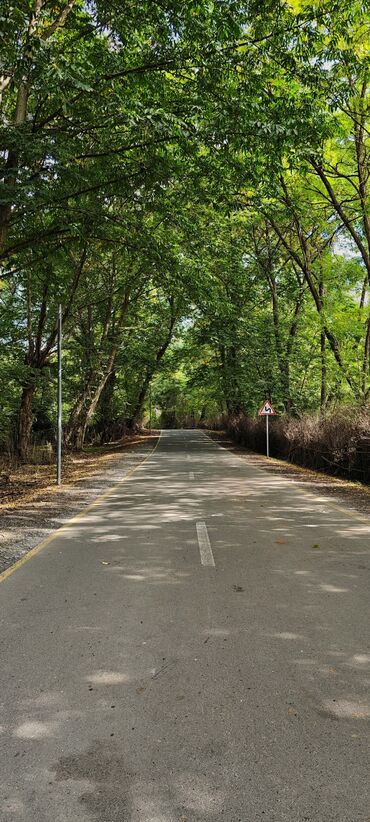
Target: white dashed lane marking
{"points": [[205, 550]]}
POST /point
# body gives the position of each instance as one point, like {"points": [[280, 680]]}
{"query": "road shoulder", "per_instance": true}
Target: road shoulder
{"points": [[35, 514], [352, 494]]}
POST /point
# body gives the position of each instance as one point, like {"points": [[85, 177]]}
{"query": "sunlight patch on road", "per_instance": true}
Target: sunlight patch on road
{"points": [[288, 635], [137, 577], [347, 709], [108, 678], [36, 730], [333, 589]]}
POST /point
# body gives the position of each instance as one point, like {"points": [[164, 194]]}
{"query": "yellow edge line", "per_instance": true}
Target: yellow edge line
{"points": [[41, 545], [347, 511]]}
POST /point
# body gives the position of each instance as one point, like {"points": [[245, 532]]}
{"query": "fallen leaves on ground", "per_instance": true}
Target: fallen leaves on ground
{"points": [[23, 483]]}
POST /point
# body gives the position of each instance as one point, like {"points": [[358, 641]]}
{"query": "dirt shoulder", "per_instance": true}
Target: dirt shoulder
{"points": [[353, 494], [32, 506]]}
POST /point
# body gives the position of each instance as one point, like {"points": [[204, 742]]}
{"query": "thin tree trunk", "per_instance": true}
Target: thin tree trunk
{"points": [[323, 390], [282, 358], [93, 404], [366, 361], [136, 414], [304, 264], [25, 420], [364, 291], [267, 263], [78, 426], [11, 166], [232, 383], [106, 409], [75, 414]]}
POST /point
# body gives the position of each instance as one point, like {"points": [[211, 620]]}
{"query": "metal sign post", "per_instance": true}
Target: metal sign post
{"points": [[59, 412], [267, 411]]}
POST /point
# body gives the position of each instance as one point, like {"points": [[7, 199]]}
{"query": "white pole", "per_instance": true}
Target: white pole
{"points": [[59, 414], [267, 436]]}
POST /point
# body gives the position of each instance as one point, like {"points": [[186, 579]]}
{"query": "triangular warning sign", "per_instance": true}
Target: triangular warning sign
{"points": [[267, 410]]}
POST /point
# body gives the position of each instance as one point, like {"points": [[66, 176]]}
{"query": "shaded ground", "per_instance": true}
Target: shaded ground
{"points": [[352, 493], [31, 505]]}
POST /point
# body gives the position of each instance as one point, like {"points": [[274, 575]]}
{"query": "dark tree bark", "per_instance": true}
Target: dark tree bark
{"points": [[41, 343], [304, 259], [323, 386], [25, 420], [134, 419]]}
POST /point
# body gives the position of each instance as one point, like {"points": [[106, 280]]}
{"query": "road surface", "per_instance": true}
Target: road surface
{"points": [[194, 648]]}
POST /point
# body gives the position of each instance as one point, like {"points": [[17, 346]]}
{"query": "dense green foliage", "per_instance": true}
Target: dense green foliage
{"points": [[191, 182]]}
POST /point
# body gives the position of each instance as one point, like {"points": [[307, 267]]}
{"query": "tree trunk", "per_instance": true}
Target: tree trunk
{"points": [[25, 420], [282, 356], [304, 263], [75, 414], [366, 361], [323, 391], [106, 422], [85, 407], [90, 410], [231, 381], [230, 391], [136, 414], [11, 166]]}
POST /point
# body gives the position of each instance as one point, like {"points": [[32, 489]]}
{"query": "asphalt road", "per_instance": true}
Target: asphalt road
{"points": [[195, 648]]}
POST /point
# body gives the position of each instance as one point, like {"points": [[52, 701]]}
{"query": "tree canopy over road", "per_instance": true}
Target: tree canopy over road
{"points": [[191, 182]]}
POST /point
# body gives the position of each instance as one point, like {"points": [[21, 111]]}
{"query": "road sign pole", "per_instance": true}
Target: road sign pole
{"points": [[59, 412], [267, 410]]}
